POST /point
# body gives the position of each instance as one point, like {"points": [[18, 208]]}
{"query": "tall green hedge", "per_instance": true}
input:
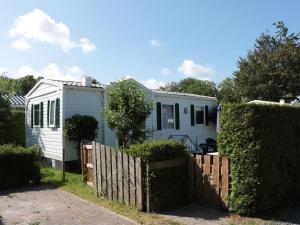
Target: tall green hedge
{"points": [[263, 145], [18, 132], [18, 166], [168, 186]]}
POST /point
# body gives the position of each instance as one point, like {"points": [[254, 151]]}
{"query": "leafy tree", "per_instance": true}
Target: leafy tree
{"points": [[194, 86], [271, 70], [19, 86], [227, 91], [80, 128], [127, 109], [6, 122]]}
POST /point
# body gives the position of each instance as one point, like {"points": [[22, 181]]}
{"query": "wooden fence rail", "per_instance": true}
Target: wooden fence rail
{"points": [[119, 176]]}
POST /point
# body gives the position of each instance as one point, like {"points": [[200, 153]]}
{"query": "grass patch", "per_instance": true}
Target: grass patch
{"points": [[73, 184]]}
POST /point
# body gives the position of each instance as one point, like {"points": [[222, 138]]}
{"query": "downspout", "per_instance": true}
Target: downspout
{"points": [[62, 119]]}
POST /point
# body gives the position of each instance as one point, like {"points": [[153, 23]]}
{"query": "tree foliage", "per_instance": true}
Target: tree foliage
{"points": [[127, 109], [194, 86], [19, 86], [271, 70], [81, 128], [6, 122], [227, 91]]}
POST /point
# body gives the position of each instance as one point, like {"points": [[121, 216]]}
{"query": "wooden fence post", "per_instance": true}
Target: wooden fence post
{"points": [[147, 188], [63, 165], [82, 163]]}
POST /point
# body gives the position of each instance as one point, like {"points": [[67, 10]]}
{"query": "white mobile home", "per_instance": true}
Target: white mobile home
{"points": [[51, 102]]}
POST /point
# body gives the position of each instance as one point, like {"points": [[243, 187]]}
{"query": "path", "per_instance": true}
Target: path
{"points": [[43, 205]]}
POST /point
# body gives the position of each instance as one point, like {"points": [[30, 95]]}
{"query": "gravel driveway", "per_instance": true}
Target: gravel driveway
{"points": [[45, 205]]}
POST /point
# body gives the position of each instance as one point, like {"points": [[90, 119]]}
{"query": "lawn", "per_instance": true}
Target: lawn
{"points": [[73, 184]]}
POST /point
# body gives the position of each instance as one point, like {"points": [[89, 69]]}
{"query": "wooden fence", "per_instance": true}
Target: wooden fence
{"points": [[119, 176], [115, 174]]}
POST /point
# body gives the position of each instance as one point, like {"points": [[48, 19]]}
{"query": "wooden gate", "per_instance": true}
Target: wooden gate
{"points": [[209, 180]]}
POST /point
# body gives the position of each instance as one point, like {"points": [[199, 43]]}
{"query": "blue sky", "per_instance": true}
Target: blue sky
{"points": [[155, 41]]}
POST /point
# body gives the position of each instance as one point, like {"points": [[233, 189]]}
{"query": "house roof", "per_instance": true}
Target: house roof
{"points": [[266, 102], [15, 100], [182, 94], [78, 84]]}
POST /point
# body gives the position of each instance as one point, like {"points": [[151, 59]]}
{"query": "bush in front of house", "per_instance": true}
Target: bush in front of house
{"points": [[263, 145], [18, 128], [18, 166], [168, 186]]}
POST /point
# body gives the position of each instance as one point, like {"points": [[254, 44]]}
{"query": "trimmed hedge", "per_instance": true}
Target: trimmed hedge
{"points": [[263, 145], [18, 128], [168, 186], [18, 166], [153, 151]]}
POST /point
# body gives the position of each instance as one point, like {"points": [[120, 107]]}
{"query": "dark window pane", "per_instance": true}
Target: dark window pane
{"points": [[199, 116]]}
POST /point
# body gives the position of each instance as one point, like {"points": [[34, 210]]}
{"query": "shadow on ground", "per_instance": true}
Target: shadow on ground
{"points": [[10, 191], [196, 214]]}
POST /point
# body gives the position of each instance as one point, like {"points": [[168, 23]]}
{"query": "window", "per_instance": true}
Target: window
{"points": [[52, 113], [36, 115], [199, 111], [168, 116]]}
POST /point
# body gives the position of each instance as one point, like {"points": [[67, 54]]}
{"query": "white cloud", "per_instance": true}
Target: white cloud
{"points": [[86, 45], [165, 72], [74, 70], [20, 44], [52, 71], [190, 69], [37, 26], [26, 70], [3, 70], [155, 43], [153, 84]]}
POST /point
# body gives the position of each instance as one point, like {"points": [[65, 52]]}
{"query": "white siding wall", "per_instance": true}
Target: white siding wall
{"points": [[197, 133], [83, 101], [110, 138], [49, 139]]}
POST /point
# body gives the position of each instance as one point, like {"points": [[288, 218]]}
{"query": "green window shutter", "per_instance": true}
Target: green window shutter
{"points": [[48, 111], [192, 109], [41, 114], [57, 111], [32, 116], [177, 121], [206, 116], [158, 115]]}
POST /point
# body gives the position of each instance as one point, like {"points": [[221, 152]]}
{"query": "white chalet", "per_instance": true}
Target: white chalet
{"points": [[51, 102]]}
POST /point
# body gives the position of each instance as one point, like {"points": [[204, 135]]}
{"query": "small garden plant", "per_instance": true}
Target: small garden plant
{"points": [[80, 128]]}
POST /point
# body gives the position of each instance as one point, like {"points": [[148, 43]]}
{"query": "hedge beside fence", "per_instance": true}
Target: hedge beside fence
{"points": [[18, 166], [169, 185], [18, 132], [263, 145]]}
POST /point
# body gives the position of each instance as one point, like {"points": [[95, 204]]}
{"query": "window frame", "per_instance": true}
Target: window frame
{"points": [[54, 113], [39, 115], [199, 109], [162, 117]]}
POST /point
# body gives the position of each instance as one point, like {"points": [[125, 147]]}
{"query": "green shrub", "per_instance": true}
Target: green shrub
{"points": [[168, 186], [18, 128], [18, 166], [153, 151], [263, 145]]}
